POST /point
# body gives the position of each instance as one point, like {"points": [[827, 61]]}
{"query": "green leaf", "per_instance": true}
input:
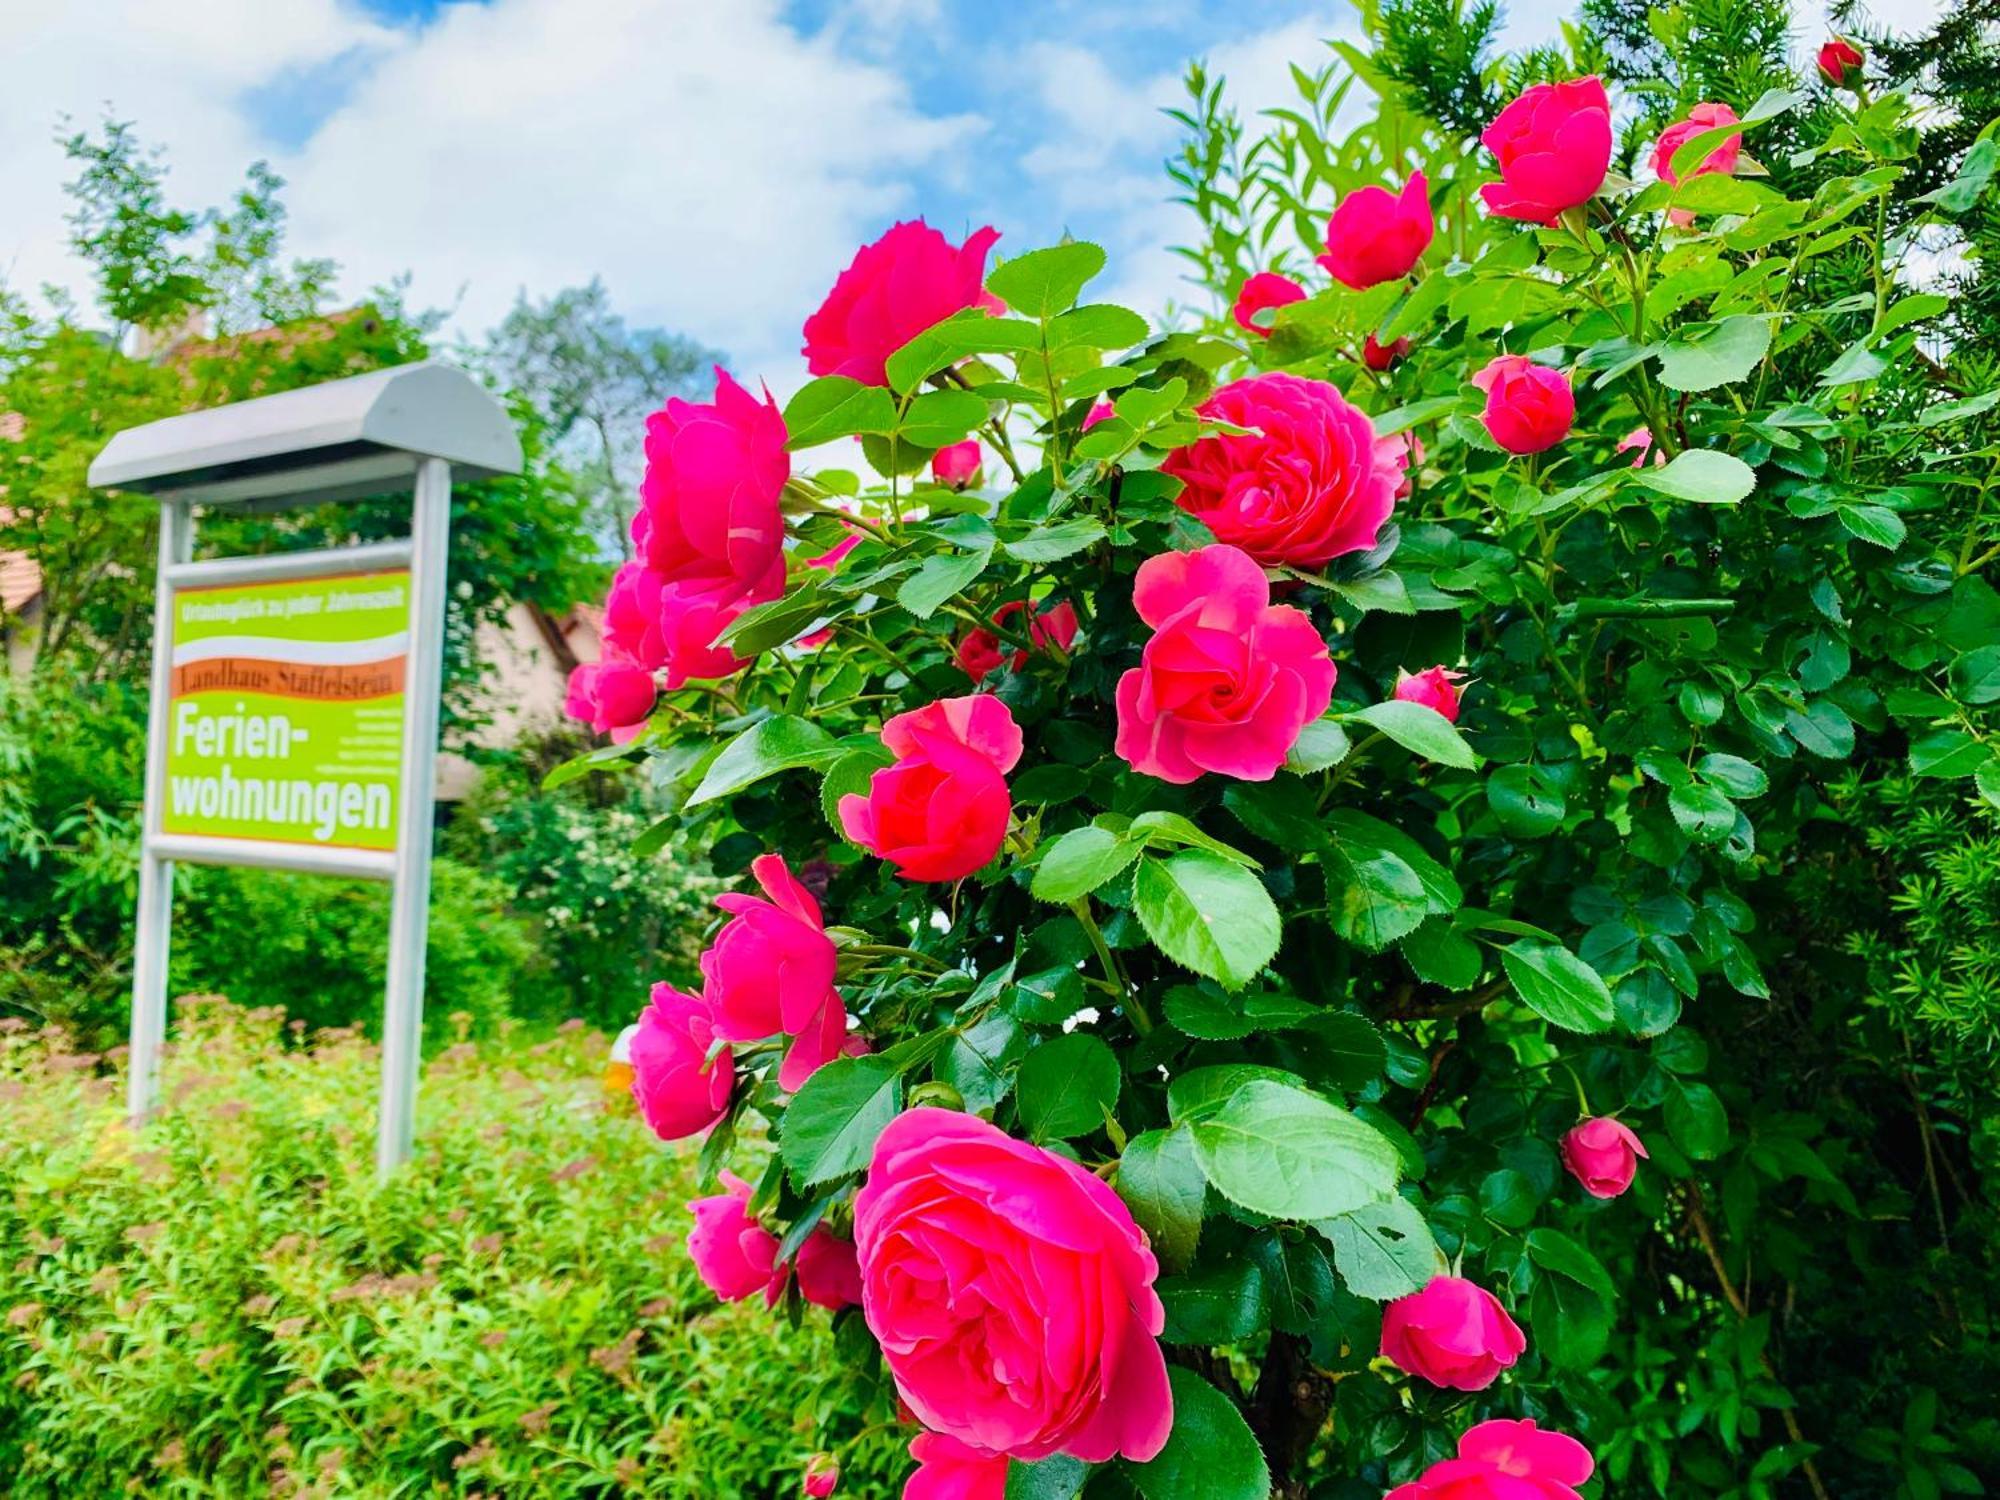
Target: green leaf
{"points": [[830, 1128], [850, 776], [972, 332], [980, 1061], [939, 579], [1349, 1052], [1558, 1254], [1373, 896], [1200, 1092], [1079, 862], [1701, 475], [1215, 1305], [1042, 283], [1570, 1322], [1281, 1151], [1211, 1453], [1443, 956], [1558, 986], [1704, 814], [1947, 754], [1383, 1251], [781, 743], [1100, 325], [1212, 1017], [1958, 195], [1877, 525], [836, 407], [937, 418], [1702, 359], [1419, 729], [1066, 1086], [1058, 1477], [1161, 1181], [1526, 801], [1696, 1119], [1321, 744], [1975, 676], [1208, 915], [1357, 830], [1047, 544], [1734, 774]]}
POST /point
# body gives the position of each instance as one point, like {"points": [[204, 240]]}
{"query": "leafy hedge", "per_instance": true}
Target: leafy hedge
{"points": [[227, 1304]]}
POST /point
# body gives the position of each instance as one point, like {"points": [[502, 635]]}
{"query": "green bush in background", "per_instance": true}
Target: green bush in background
{"points": [[228, 1304]]}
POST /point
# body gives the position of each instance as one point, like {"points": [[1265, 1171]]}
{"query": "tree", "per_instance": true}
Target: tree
{"points": [[591, 380]]}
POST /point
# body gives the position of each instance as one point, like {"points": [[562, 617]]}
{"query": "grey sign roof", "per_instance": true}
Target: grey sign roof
{"points": [[338, 440]]}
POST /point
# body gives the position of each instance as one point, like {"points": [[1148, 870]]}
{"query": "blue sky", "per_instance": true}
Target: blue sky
{"points": [[716, 161]]}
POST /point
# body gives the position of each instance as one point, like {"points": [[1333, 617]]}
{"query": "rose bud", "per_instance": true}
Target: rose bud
{"points": [[1603, 1154], [1377, 358], [1376, 235], [1434, 687], [1840, 63], [1529, 407], [957, 466]]}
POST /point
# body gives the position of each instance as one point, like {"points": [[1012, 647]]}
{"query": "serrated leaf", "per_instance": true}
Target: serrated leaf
{"points": [[1419, 729], [1702, 476], [835, 407], [1558, 986], [1284, 1152], [1079, 862], [1066, 1086], [781, 743], [1704, 358], [939, 579], [1211, 1454], [1161, 1181], [832, 1123], [1042, 283], [1208, 915], [1384, 1250]]}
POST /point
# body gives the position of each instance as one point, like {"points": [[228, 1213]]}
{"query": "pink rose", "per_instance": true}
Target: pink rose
{"points": [[1434, 687], [770, 971], [679, 1090], [941, 811], [735, 1256], [1503, 1460], [1554, 147], [1228, 680], [957, 465], [1261, 293], [1603, 1154], [708, 505], [822, 1476], [1639, 442], [829, 1274], [1529, 407], [1377, 358], [981, 651], [657, 622], [1702, 118], [1376, 235], [1396, 456], [1098, 413], [1300, 487], [1840, 62], [893, 290], [1452, 1333], [612, 696], [1011, 1293], [949, 1470]]}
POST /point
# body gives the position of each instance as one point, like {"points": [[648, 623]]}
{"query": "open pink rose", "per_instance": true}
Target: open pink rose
{"points": [[1261, 293], [941, 811], [1452, 1334], [950, 1470], [1099, 411], [653, 621], [1505, 1460], [1011, 1293], [1721, 161], [893, 290], [1378, 358], [956, 466], [708, 504], [770, 972], [1603, 1154], [735, 1256], [981, 651], [1841, 62], [1553, 144], [680, 1091], [1300, 487], [1376, 235], [612, 696], [822, 1476], [1434, 687], [829, 1274], [1228, 680], [1529, 407]]}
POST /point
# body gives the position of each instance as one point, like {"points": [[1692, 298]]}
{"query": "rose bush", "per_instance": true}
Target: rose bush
{"points": [[1377, 793]]}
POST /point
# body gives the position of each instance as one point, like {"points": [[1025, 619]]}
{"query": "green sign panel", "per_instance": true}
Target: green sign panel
{"points": [[285, 719]]}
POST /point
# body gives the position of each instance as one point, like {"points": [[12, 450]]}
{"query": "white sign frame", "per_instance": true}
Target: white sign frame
{"points": [[343, 439]]}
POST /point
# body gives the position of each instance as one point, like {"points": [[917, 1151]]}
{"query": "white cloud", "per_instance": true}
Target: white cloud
{"points": [[179, 70]]}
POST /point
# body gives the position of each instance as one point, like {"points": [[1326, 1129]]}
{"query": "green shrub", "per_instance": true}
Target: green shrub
{"points": [[229, 1304]]}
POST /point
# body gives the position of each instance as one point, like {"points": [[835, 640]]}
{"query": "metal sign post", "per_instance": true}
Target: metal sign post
{"points": [[293, 722]]}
